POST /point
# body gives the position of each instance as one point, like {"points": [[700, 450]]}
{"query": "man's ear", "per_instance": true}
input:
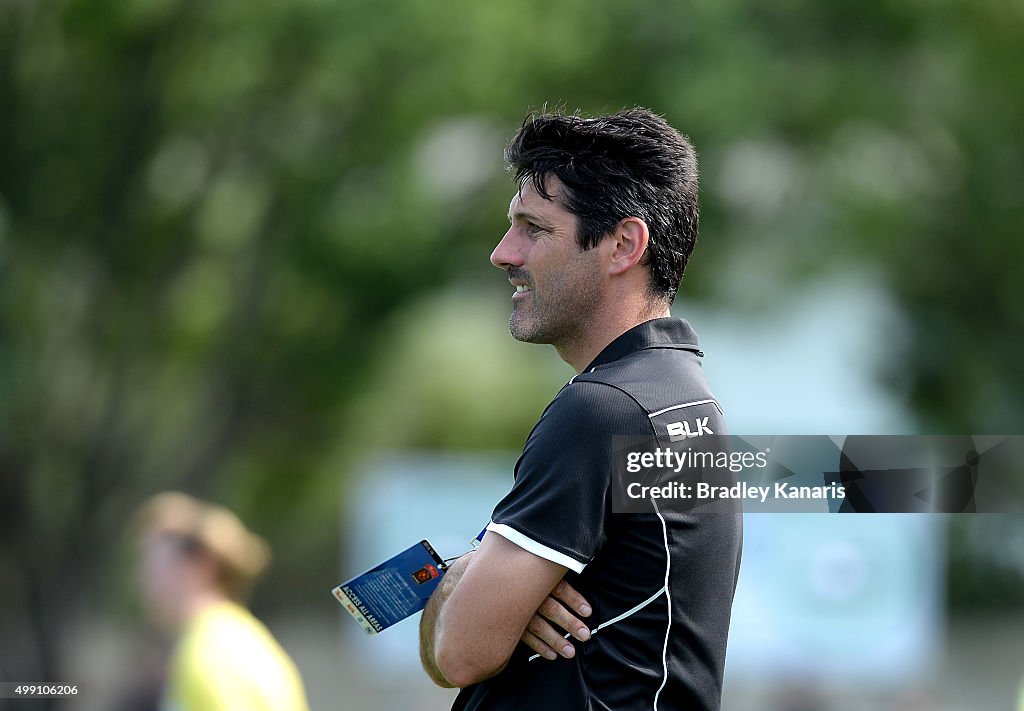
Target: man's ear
{"points": [[627, 244]]}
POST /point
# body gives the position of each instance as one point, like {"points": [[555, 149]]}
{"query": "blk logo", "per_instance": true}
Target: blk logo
{"points": [[683, 430]]}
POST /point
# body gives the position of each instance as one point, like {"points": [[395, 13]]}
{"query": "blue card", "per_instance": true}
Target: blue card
{"points": [[393, 590]]}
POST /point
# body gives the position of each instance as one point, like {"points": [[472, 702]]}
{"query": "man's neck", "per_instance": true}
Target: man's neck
{"points": [[582, 351]]}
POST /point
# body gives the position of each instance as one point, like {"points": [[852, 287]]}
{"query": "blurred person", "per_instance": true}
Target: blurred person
{"points": [[197, 564], [601, 227]]}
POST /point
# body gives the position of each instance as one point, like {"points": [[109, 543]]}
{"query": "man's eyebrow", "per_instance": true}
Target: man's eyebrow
{"points": [[524, 215]]}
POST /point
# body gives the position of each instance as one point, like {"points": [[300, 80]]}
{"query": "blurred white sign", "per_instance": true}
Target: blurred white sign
{"points": [[838, 598]]}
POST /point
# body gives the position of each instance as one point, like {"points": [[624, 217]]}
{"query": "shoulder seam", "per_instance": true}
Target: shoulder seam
{"points": [[613, 387], [643, 409], [708, 401]]}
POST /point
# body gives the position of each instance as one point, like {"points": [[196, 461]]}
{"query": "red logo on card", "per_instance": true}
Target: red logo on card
{"points": [[425, 574]]}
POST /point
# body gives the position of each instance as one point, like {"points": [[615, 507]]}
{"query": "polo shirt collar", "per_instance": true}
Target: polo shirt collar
{"points": [[668, 332]]}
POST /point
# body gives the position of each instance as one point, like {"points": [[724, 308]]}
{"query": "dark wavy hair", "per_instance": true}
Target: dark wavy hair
{"points": [[629, 164]]}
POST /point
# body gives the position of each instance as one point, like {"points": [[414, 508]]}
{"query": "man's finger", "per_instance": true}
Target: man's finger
{"points": [[551, 636], [568, 594], [538, 645], [554, 611]]}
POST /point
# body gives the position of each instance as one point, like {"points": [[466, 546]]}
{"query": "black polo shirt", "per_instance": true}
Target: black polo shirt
{"points": [[661, 584]]}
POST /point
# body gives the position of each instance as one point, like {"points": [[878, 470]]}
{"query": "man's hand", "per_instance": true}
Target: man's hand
{"points": [[549, 641]]}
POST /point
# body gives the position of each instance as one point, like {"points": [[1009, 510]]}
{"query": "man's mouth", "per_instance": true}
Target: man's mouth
{"points": [[521, 289]]}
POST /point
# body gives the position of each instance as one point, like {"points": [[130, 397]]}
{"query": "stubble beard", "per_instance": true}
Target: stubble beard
{"points": [[560, 318], [530, 325]]}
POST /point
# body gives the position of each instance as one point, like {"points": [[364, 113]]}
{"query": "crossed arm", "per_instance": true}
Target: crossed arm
{"points": [[487, 602]]}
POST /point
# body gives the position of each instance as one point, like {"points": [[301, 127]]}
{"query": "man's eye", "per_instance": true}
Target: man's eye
{"points": [[532, 228]]}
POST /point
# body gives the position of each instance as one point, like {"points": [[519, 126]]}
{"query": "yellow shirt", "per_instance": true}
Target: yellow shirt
{"points": [[227, 660]]}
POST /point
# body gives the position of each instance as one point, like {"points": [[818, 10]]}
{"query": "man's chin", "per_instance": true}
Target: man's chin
{"points": [[524, 331]]}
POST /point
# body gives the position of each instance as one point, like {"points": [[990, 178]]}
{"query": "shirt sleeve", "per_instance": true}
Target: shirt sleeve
{"points": [[560, 503]]}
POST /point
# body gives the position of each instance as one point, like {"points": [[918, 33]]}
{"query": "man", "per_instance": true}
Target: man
{"points": [[197, 563], [613, 610]]}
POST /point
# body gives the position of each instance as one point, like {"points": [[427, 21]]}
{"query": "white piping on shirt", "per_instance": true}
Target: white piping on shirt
{"points": [[538, 549], [688, 404], [668, 596], [578, 375], [617, 618]]}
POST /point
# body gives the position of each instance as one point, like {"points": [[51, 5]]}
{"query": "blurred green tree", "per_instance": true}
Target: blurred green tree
{"points": [[214, 215]]}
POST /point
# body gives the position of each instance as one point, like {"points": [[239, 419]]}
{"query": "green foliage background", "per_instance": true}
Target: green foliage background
{"points": [[232, 233]]}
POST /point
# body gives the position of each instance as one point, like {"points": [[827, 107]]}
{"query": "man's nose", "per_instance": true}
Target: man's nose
{"points": [[506, 254]]}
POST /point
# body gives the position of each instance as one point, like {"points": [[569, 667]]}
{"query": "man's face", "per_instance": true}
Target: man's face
{"points": [[558, 286]]}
